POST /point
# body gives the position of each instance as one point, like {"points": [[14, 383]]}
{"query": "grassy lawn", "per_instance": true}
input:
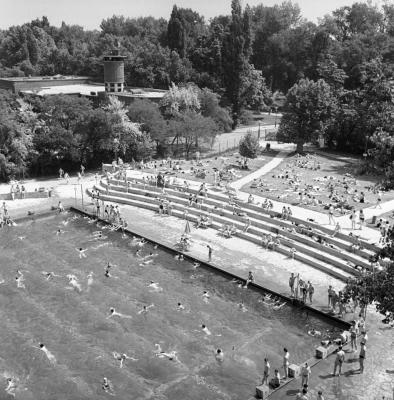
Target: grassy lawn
{"points": [[311, 176], [189, 169]]}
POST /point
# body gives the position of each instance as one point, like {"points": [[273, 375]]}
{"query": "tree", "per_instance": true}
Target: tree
{"points": [[147, 114], [180, 99], [249, 146], [377, 286], [308, 110], [210, 107], [176, 32], [125, 133], [194, 130], [236, 53]]}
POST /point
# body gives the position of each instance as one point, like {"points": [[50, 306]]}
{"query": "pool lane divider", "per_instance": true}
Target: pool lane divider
{"points": [[251, 286]]}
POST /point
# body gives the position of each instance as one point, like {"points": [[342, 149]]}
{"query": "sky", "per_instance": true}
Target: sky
{"points": [[89, 13]]}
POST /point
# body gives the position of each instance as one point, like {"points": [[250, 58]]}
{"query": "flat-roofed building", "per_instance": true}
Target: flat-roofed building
{"points": [[32, 83]]}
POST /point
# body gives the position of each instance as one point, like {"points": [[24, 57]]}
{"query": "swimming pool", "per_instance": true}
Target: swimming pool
{"points": [[74, 325]]}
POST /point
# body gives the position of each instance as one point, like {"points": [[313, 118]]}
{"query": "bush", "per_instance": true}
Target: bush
{"points": [[249, 146], [246, 117]]}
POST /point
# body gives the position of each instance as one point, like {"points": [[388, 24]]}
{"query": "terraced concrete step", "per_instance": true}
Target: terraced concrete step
{"points": [[149, 203], [337, 256]]}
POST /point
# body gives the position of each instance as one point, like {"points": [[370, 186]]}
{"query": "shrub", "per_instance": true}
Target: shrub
{"points": [[249, 146]]}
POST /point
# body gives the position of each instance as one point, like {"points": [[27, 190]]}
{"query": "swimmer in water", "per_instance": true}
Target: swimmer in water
{"points": [[279, 305], [219, 355], [49, 275], [138, 253], [180, 307], [314, 332], [141, 243], [161, 354], [113, 313], [242, 307], [145, 309], [81, 252], [205, 296], [90, 279], [151, 255], [122, 358], [48, 354], [205, 330], [179, 257], [99, 236], [146, 262], [107, 386], [196, 265], [19, 282], [60, 232], [155, 286], [107, 269], [73, 281], [11, 386]]}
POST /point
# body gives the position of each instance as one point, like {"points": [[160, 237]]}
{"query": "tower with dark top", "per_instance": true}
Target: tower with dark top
{"points": [[114, 71]]}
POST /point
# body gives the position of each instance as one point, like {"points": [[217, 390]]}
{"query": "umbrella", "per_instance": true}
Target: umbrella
{"points": [[187, 228]]}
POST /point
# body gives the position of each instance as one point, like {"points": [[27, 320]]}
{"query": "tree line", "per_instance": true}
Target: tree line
{"points": [[38, 135], [336, 75]]}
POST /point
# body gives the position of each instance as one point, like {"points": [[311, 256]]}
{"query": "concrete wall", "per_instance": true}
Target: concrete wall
{"points": [[28, 195]]}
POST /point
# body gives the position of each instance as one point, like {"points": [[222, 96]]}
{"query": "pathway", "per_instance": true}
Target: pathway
{"points": [[369, 234], [261, 171]]}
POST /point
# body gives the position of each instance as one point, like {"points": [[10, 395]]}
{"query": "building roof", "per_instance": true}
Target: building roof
{"points": [[143, 93], [44, 78], [81, 89]]}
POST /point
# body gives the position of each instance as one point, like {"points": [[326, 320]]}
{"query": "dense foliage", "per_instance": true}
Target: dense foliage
{"points": [[337, 75], [249, 146], [377, 286]]}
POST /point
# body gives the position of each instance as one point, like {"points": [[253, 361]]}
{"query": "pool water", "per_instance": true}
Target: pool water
{"points": [[75, 329]]}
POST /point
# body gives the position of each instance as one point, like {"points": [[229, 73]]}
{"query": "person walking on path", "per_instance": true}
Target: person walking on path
{"points": [[286, 357], [291, 283], [209, 252], [353, 219], [353, 338], [305, 373], [340, 358], [330, 292], [379, 200], [267, 368], [311, 290], [331, 215], [337, 229], [361, 218], [82, 170], [362, 357]]}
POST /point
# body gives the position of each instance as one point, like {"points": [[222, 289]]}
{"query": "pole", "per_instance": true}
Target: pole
{"points": [[75, 194], [82, 195]]}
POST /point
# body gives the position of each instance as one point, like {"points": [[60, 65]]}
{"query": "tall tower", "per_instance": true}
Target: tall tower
{"points": [[114, 71]]}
